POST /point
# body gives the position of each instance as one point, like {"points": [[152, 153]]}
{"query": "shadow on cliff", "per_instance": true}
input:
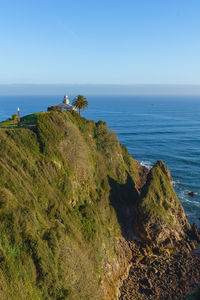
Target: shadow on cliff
{"points": [[124, 197]]}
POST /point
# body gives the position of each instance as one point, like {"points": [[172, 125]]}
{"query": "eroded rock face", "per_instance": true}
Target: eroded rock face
{"points": [[160, 216], [195, 234]]}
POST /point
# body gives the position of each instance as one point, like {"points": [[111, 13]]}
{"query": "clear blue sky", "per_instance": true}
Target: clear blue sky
{"points": [[107, 41]]}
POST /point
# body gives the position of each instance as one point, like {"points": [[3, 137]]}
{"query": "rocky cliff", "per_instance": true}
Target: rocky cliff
{"points": [[72, 201], [160, 216]]}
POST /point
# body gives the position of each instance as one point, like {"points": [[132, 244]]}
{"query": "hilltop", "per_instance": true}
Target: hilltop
{"points": [[25, 122], [77, 211]]}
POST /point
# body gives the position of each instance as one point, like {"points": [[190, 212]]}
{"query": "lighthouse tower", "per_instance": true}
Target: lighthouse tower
{"points": [[65, 105], [65, 100]]}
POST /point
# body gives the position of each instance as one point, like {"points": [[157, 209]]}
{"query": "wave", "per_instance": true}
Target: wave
{"points": [[196, 203], [176, 183], [147, 164]]}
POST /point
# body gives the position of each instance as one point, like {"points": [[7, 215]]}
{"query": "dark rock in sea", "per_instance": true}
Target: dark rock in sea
{"points": [[191, 194]]}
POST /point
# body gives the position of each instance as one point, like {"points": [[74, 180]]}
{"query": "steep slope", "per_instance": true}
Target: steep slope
{"points": [[160, 215], [62, 186], [71, 201]]}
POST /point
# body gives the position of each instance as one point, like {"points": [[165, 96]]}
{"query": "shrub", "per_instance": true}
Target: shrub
{"points": [[14, 117], [53, 108]]}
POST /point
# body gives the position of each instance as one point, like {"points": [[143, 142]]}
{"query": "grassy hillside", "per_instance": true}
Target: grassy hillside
{"points": [[25, 122], [64, 184]]}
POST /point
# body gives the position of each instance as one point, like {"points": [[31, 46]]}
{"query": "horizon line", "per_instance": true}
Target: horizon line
{"points": [[28, 89], [130, 84]]}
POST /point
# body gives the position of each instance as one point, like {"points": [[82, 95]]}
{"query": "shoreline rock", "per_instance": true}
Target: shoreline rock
{"points": [[164, 264], [165, 275]]}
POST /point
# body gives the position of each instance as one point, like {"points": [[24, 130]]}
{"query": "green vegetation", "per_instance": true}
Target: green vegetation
{"points": [[7, 122], [14, 117], [69, 193], [30, 119], [80, 102], [61, 185], [53, 108], [26, 122], [159, 197], [160, 218]]}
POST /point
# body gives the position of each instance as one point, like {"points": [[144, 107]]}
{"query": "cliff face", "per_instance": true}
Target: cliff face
{"points": [[71, 199], [60, 187], [160, 216]]}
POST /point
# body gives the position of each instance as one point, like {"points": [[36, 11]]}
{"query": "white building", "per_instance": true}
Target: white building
{"points": [[65, 104]]}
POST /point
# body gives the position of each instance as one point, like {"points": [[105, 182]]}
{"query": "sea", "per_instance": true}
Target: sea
{"points": [[151, 127]]}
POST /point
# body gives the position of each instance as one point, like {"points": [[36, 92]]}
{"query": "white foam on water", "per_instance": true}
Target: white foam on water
{"points": [[176, 182], [196, 203], [183, 196], [147, 164]]}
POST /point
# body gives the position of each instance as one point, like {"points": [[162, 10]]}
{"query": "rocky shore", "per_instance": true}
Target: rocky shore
{"points": [[165, 261], [160, 274]]}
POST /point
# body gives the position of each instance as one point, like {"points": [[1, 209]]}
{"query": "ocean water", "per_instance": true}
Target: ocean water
{"points": [[152, 128]]}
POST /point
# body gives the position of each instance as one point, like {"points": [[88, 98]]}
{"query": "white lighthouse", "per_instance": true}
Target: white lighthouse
{"points": [[66, 100], [65, 105]]}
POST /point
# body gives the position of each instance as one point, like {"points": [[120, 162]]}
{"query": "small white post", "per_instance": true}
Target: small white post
{"points": [[18, 116]]}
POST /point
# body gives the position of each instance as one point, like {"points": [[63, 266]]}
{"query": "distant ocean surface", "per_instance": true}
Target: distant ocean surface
{"points": [[152, 128]]}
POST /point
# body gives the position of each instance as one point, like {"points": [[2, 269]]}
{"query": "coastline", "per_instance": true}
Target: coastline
{"points": [[155, 216]]}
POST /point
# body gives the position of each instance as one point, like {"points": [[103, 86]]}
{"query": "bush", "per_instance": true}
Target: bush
{"points": [[14, 117], [106, 141], [53, 108]]}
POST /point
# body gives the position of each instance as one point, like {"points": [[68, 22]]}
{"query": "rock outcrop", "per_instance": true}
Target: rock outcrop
{"points": [[164, 265], [160, 217]]}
